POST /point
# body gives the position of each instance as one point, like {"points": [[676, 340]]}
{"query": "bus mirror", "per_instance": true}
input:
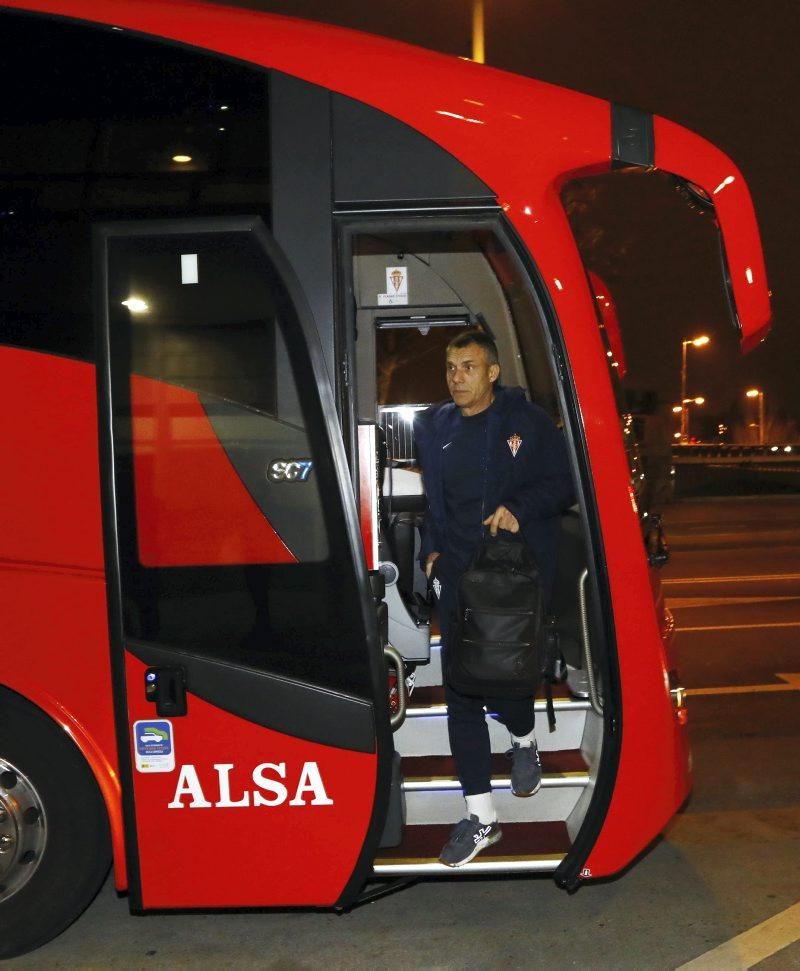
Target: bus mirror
{"points": [[712, 183]]}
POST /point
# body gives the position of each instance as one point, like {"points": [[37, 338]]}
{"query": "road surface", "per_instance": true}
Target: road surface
{"points": [[729, 862]]}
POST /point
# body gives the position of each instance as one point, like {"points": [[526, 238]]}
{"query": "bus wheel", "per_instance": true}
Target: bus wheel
{"points": [[54, 836]]}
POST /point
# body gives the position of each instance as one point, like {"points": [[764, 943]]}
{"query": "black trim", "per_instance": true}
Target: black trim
{"points": [[108, 495], [728, 283], [272, 700], [301, 188], [378, 158], [433, 207], [567, 875], [632, 137]]}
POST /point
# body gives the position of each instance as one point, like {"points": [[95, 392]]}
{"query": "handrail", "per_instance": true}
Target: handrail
{"points": [[394, 658], [594, 698]]}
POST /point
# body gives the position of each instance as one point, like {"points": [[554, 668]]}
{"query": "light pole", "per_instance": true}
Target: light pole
{"points": [[683, 410], [695, 342], [478, 46], [757, 393]]}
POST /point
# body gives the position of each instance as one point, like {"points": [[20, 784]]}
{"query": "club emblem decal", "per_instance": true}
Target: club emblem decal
{"points": [[514, 444]]}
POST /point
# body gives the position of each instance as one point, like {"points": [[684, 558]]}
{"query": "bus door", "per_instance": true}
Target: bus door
{"points": [[250, 684]]}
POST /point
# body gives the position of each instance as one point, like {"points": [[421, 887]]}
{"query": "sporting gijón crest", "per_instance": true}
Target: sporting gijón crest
{"points": [[514, 444]]}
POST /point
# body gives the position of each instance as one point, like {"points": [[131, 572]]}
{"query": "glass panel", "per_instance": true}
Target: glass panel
{"points": [[227, 546], [221, 477]]}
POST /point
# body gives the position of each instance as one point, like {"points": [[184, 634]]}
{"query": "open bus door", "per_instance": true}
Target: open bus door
{"points": [[249, 677]]}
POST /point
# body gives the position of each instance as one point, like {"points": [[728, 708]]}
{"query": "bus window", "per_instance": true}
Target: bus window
{"points": [[117, 155]]}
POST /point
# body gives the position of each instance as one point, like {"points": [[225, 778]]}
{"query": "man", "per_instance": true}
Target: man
{"points": [[491, 459]]}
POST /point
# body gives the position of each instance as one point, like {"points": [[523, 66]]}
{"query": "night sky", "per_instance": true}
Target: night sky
{"points": [[725, 68]]}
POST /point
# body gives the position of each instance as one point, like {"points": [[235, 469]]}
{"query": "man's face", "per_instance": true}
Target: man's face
{"points": [[470, 378]]}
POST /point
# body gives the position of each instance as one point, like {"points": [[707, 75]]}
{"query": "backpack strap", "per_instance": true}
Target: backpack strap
{"points": [[554, 668]]}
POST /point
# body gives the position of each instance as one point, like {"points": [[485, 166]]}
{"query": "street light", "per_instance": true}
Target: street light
{"points": [[683, 410], [695, 342], [757, 393]]}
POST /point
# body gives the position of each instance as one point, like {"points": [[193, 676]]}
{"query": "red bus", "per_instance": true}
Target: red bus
{"points": [[233, 249]]}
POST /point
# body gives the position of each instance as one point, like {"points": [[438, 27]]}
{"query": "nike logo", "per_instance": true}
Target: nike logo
{"points": [[446, 446]]}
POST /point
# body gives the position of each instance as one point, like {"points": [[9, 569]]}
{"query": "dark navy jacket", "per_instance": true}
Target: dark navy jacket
{"points": [[535, 484]]}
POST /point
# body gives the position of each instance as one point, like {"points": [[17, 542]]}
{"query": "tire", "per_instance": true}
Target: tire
{"points": [[55, 847]]}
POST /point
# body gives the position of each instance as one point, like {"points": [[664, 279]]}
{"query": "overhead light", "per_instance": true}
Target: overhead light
{"points": [[182, 159], [136, 305]]}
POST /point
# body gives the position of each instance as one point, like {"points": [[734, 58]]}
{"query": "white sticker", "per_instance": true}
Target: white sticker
{"points": [[189, 268], [153, 745], [396, 287]]}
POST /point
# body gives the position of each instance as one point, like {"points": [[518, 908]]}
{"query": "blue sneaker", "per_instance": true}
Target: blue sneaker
{"points": [[468, 838], [526, 769]]}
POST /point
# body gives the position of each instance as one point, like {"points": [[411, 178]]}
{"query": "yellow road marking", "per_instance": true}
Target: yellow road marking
{"points": [[748, 949], [791, 682], [672, 581], [786, 623], [679, 603]]}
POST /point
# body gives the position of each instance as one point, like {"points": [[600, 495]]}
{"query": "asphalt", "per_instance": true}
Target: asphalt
{"points": [[727, 862]]}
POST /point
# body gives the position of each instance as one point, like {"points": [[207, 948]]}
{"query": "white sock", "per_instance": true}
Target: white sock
{"points": [[524, 740], [482, 806]]}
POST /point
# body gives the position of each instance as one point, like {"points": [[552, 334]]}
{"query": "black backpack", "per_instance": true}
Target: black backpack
{"points": [[503, 645]]}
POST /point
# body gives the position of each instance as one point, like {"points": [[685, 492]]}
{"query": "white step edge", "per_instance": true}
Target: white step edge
{"points": [[559, 704], [552, 781], [542, 864]]}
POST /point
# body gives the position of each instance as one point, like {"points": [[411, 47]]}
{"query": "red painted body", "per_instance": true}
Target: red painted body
{"points": [[522, 138], [275, 855], [191, 507], [53, 592]]}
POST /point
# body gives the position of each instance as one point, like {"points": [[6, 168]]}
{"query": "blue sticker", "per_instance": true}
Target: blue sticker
{"points": [[153, 738]]}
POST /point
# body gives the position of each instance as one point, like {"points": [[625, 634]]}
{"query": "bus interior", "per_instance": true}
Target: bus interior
{"points": [[413, 291]]}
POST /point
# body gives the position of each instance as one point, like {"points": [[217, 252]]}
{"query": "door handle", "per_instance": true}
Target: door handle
{"points": [[394, 660], [167, 688]]}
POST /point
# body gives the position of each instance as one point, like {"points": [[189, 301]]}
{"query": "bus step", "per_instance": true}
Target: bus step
{"points": [[524, 848], [562, 768], [425, 729], [446, 804]]}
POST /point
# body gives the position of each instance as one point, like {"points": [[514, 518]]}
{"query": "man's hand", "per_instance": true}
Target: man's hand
{"points": [[432, 558], [501, 518]]}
